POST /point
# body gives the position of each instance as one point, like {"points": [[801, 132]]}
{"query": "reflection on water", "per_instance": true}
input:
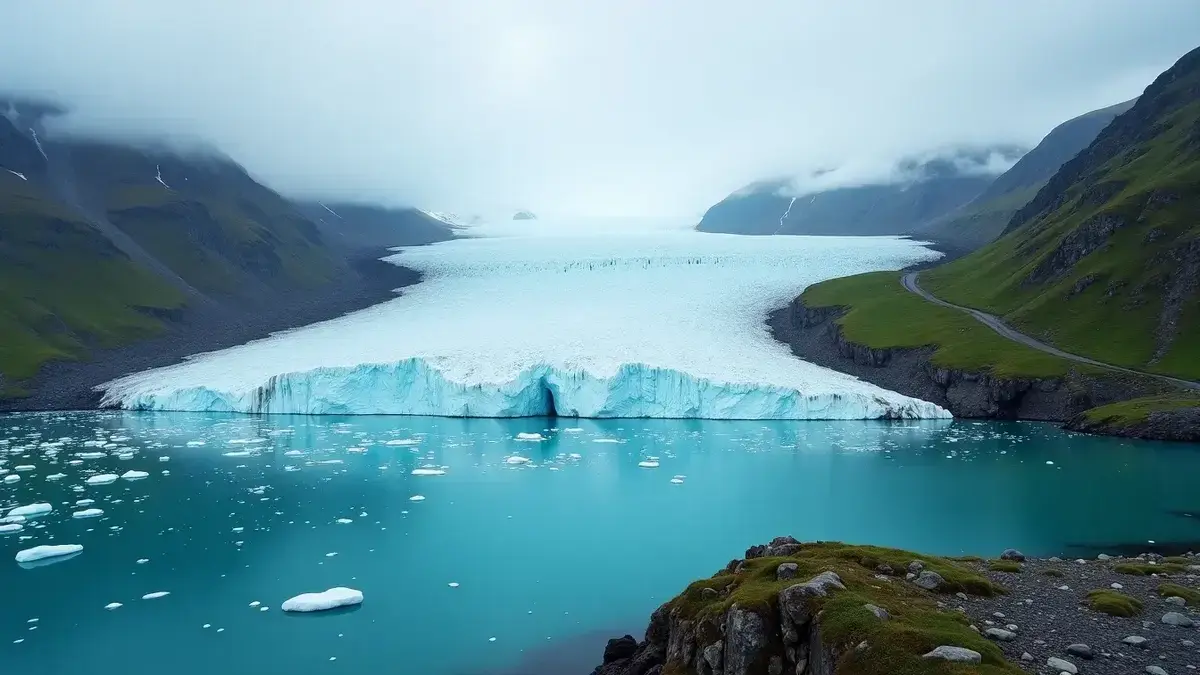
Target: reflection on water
{"points": [[524, 540]]}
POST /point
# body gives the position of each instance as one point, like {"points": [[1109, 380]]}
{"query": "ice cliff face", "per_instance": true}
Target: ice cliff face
{"points": [[413, 387], [625, 323]]}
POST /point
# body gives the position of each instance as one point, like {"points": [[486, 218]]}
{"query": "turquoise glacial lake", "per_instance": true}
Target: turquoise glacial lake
{"points": [[525, 551]]}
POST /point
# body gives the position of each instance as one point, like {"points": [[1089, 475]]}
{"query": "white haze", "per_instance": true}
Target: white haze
{"points": [[647, 107]]}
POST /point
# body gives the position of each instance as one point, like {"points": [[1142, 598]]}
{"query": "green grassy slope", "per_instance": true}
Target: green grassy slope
{"points": [[63, 287], [882, 314], [1105, 260]]}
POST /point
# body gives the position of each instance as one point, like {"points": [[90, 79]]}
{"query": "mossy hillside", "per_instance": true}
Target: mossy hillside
{"points": [[1155, 186], [882, 314], [894, 646], [1190, 594], [64, 288], [1113, 603], [1135, 411]]}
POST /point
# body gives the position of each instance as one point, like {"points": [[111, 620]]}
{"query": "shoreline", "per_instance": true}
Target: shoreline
{"points": [[68, 385]]}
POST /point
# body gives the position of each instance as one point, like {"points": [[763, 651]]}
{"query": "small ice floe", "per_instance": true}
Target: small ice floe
{"points": [[677, 481], [263, 608], [75, 462], [24, 467], [294, 453], [1049, 461], [532, 437], [453, 584], [330, 461], [142, 561], [416, 498], [37, 509], [166, 473], [573, 430], [428, 470], [155, 595], [9, 528], [329, 599], [237, 453], [356, 450], [164, 458], [113, 605], [575, 455], [331, 554], [134, 475], [85, 502], [606, 440], [90, 455], [491, 639], [56, 476], [12, 478], [238, 529], [102, 479], [195, 444], [648, 464], [88, 513], [404, 441], [344, 521], [13, 519], [256, 603], [43, 552], [516, 459]]}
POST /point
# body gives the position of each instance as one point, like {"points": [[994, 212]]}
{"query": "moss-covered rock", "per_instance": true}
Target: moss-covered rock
{"points": [[1113, 603]]}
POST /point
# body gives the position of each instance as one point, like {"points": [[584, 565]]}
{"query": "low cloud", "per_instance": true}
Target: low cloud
{"points": [[581, 107]]}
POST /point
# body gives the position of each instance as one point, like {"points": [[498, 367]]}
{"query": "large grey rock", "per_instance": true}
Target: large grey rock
{"points": [[879, 612], [1000, 634], [712, 655], [1026, 656], [786, 571], [915, 567], [1012, 554], [1155, 670], [1081, 650], [1177, 619], [620, 648], [681, 640], [745, 637], [794, 601], [1137, 641], [929, 580], [954, 654], [1062, 665], [1176, 600]]}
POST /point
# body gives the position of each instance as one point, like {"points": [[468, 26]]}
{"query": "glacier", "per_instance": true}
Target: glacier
{"points": [[605, 319]]}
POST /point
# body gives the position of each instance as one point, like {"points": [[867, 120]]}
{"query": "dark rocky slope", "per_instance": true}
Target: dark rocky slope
{"points": [[924, 190], [823, 608], [984, 218], [115, 257]]}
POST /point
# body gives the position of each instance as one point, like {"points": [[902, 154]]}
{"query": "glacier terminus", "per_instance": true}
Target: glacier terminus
{"points": [[601, 319]]}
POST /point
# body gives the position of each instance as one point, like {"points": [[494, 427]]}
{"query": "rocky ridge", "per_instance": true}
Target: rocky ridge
{"points": [[822, 608]]}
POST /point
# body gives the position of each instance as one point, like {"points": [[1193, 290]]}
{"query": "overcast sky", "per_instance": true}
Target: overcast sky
{"points": [[582, 106]]}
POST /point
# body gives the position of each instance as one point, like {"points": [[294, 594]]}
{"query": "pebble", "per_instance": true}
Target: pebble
{"points": [[1155, 670], [1136, 641], [1026, 656], [1116, 586], [1186, 643], [1000, 634]]}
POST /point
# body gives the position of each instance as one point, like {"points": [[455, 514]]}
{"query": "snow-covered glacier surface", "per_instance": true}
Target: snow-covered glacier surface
{"points": [[609, 321]]}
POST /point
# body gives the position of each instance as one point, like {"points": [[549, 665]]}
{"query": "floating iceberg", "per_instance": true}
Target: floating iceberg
{"points": [[88, 513], [134, 475], [102, 479], [667, 324], [329, 599], [37, 509], [41, 552]]}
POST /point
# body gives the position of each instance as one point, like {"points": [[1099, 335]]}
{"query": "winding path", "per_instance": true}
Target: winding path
{"points": [[909, 280]]}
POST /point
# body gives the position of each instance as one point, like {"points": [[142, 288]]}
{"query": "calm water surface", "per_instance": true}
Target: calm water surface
{"points": [[578, 541]]}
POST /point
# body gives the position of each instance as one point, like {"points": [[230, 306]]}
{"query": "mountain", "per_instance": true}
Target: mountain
{"points": [[365, 225], [923, 189], [1105, 260], [104, 244], [524, 215], [982, 220]]}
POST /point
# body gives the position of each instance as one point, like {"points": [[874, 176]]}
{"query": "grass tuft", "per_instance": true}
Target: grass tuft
{"points": [[1190, 594], [1113, 603], [1146, 569], [1009, 566]]}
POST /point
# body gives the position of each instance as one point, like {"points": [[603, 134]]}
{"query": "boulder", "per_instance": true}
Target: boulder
{"points": [[620, 648], [1136, 641], [954, 654], [1081, 650], [786, 571], [1012, 554], [879, 612], [712, 656], [745, 637], [915, 567], [1177, 619], [929, 580], [1176, 600], [1155, 670], [757, 551], [1000, 634], [1062, 665], [794, 602]]}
